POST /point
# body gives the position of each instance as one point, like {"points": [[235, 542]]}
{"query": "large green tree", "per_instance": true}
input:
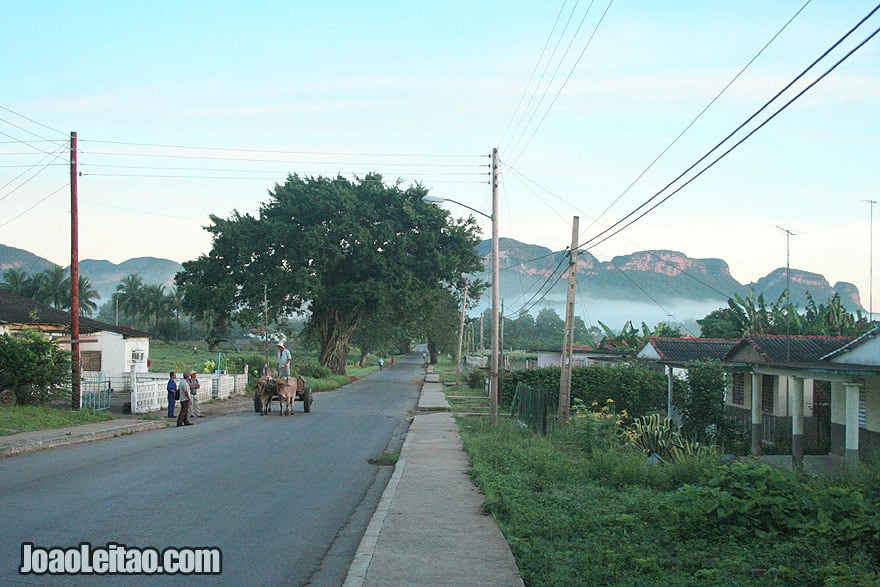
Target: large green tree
{"points": [[341, 251]]}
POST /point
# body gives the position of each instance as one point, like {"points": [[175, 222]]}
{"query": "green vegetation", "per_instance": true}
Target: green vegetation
{"points": [[16, 419], [33, 367], [372, 262], [579, 508]]}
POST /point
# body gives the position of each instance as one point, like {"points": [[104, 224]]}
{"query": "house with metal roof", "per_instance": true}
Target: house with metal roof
{"points": [[816, 394], [676, 354], [106, 350]]}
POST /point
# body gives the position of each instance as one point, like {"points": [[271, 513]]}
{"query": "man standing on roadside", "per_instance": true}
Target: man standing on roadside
{"points": [[172, 392], [195, 409], [185, 399], [283, 361]]}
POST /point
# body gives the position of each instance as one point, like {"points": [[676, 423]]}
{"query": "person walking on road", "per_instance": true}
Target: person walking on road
{"points": [[381, 363], [283, 361], [195, 409], [172, 392], [185, 398]]}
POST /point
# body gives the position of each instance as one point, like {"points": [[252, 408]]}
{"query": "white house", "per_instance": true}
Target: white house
{"points": [[109, 350]]}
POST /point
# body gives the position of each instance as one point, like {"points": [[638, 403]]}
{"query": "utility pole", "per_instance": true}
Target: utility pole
{"points": [[266, 328], [788, 235], [568, 338], [871, 261], [494, 392], [75, 398], [461, 332]]}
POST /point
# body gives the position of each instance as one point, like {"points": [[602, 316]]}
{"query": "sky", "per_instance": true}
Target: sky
{"points": [[185, 109]]}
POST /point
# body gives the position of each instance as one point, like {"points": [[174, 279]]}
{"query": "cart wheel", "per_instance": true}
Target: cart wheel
{"points": [[7, 398], [307, 400], [258, 405]]}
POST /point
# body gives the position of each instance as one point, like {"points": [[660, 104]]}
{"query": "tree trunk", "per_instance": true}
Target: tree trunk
{"points": [[335, 333]]}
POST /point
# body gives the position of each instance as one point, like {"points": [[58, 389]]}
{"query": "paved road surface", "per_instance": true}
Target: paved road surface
{"points": [[286, 499]]}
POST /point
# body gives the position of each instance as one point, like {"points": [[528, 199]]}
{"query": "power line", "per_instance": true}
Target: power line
{"points": [[43, 199], [565, 82], [64, 134], [532, 76], [700, 114], [516, 134], [283, 152], [737, 129]]}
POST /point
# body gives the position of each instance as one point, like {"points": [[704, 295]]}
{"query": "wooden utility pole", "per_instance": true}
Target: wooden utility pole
{"points": [[75, 398], [494, 391], [461, 332], [568, 342]]}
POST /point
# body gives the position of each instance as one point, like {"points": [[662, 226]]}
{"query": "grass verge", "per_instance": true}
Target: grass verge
{"points": [[14, 419], [602, 517]]}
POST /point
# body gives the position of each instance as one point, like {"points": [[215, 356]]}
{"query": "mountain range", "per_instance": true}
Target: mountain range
{"points": [[646, 286]]}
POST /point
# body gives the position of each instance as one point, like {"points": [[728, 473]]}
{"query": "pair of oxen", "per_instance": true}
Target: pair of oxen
{"points": [[286, 390]]}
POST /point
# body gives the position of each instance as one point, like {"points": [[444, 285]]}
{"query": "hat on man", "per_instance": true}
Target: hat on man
{"points": [[279, 344], [191, 373]]}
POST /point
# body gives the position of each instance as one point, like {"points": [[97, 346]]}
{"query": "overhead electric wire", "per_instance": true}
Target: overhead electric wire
{"points": [[35, 174], [282, 151], [728, 151], [532, 76], [547, 280], [516, 132], [40, 201], [32, 120], [700, 114], [564, 83], [737, 129]]}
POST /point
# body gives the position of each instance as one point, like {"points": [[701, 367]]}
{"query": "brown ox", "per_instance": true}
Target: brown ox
{"points": [[287, 390], [265, 390]]}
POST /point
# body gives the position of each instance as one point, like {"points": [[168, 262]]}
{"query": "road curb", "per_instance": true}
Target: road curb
{"points": [[26, 442]]}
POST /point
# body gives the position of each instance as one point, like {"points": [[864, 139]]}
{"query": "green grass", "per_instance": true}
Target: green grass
{"points": [[574, 517], [16, 419]]}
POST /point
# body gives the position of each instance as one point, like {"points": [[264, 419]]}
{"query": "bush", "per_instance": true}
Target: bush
{"points": [[312, 370], [33, 367], [254, 362], [636, 389], [476, 379]]}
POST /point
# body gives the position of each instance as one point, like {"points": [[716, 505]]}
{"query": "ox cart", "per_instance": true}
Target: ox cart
{"points": [[286, 390]]}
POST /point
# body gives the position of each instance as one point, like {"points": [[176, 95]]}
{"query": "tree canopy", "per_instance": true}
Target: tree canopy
{"points": [[341, 252]]}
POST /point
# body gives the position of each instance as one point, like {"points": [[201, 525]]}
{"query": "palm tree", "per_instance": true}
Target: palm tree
{"points": [[129, 296], [53, 287], [17, 281], [87, 295]]}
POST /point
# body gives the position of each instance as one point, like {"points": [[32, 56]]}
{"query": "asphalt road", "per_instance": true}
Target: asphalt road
{"points": [[284, 499]]}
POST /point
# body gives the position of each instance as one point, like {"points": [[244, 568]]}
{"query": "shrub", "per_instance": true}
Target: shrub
{"points": [[312, 370], [33, 367]]}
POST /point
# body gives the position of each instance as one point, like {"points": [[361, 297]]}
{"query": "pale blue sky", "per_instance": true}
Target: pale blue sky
{"points": [[423, 91]]}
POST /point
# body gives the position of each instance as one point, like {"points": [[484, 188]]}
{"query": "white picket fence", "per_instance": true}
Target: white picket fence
{"points": [[148, 393]]}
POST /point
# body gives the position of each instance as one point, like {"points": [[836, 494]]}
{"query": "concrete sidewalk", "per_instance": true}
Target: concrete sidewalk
{"points": [[429, 528], [25, 442]]}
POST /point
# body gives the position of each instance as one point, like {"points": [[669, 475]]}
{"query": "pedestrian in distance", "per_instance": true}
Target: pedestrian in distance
{"points": [[185, 399], [392, 362], [381, 363], [172, 392], [283, 361], [195, 409]]}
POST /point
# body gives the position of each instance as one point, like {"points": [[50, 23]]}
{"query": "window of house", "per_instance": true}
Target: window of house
{"points": [[91, 360], [739, 388], [767, 393]]}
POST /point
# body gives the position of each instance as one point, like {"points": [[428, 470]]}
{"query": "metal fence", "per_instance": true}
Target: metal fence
{"points": [[535, 408], [95, 394]]}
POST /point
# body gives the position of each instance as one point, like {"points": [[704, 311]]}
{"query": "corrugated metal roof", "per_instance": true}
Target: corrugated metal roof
{"points": [[789, 350], [16, 309], [688, 350]]}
